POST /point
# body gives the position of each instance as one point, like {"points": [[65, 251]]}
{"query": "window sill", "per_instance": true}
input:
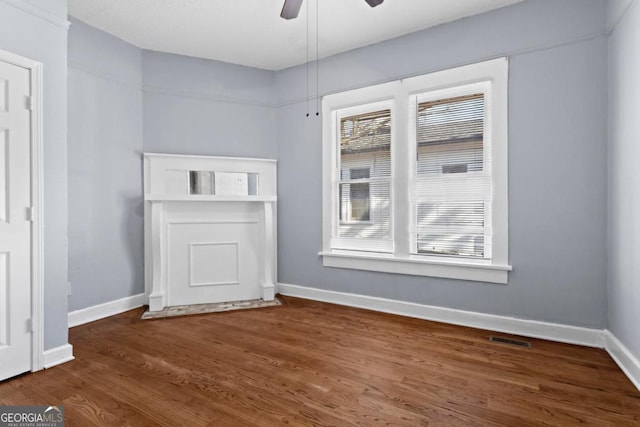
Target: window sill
{"points": [[451, 269]]}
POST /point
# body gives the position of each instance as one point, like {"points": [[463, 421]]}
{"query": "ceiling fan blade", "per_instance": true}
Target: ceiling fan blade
{"points": [[290, 9], [374, 3]]}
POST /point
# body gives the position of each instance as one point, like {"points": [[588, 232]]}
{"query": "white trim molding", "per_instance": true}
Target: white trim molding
{"points": [[37, 230], [598, 338], [510, 325], [417, 266], [100, 311], [37, 203], [629, 364], [58, 355]]}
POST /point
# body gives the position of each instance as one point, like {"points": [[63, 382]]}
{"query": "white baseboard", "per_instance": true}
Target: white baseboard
{"points": [[629, 364], [58, 355], [511, 325], [100, 311]]}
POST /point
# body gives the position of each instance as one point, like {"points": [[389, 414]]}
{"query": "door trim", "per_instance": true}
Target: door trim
{"points": [[37, 233]]}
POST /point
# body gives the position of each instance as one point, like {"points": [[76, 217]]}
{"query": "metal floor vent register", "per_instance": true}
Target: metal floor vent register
{"points": [[510, 341]]}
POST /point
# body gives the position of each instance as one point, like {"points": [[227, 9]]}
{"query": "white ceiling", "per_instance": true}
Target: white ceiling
{"points": [[251, 32]]}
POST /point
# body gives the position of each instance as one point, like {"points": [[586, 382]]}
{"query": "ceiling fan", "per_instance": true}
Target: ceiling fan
{"points": [[291, 8]]}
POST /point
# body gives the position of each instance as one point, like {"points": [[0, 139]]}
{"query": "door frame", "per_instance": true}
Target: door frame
{"points": [[37, 232]]}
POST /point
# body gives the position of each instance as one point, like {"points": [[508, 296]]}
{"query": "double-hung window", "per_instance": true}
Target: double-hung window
{"points": [[415, 175]]}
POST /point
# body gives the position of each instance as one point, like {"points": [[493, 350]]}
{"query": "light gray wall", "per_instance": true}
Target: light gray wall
{"points": [[105, 178], [122, 99], [557, 160], [624, 175], [24, 28], [199, 106], [558, 132]]}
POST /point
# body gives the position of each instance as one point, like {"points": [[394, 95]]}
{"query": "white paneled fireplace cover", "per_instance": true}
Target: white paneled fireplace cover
{"points": [[210, 229]]}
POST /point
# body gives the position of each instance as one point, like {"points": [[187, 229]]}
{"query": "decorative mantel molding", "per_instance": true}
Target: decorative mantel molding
{"points": [[202, 246]]}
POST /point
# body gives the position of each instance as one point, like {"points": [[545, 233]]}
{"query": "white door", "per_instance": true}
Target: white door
{"points": [[15, 227]]}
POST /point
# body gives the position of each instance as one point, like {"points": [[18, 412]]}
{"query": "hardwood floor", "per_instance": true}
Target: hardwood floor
{"points": [[311, 363]]}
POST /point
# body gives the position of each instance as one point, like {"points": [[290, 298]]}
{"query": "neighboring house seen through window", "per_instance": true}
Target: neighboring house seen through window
{"points": [[359, 197]]}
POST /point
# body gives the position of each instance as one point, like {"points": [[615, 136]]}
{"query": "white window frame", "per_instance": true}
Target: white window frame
{"points": [[346, 110], [401, 94], [415, 99]]}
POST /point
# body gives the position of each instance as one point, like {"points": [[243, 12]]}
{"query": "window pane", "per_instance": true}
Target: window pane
{"points": [[365, 211], [360, 202], [452, 192], [365, 144], [364, 189], [355, 202], [450, 134]]}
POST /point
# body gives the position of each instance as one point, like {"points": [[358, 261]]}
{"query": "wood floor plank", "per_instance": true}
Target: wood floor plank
{"points": [[312, 363]]}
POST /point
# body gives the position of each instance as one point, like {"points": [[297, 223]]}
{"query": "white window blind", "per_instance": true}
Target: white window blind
{"points": [[364, 181], [451, 197]]}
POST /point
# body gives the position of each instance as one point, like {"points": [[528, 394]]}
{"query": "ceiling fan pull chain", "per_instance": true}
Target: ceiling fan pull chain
{"points": [[290, 10], [307, 100], [317, 58]]}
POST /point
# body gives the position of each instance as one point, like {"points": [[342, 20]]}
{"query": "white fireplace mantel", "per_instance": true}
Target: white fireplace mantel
{"points": [[202, 246]]}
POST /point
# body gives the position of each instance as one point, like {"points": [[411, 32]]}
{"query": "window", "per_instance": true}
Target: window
{"points": [[415, 175]]}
